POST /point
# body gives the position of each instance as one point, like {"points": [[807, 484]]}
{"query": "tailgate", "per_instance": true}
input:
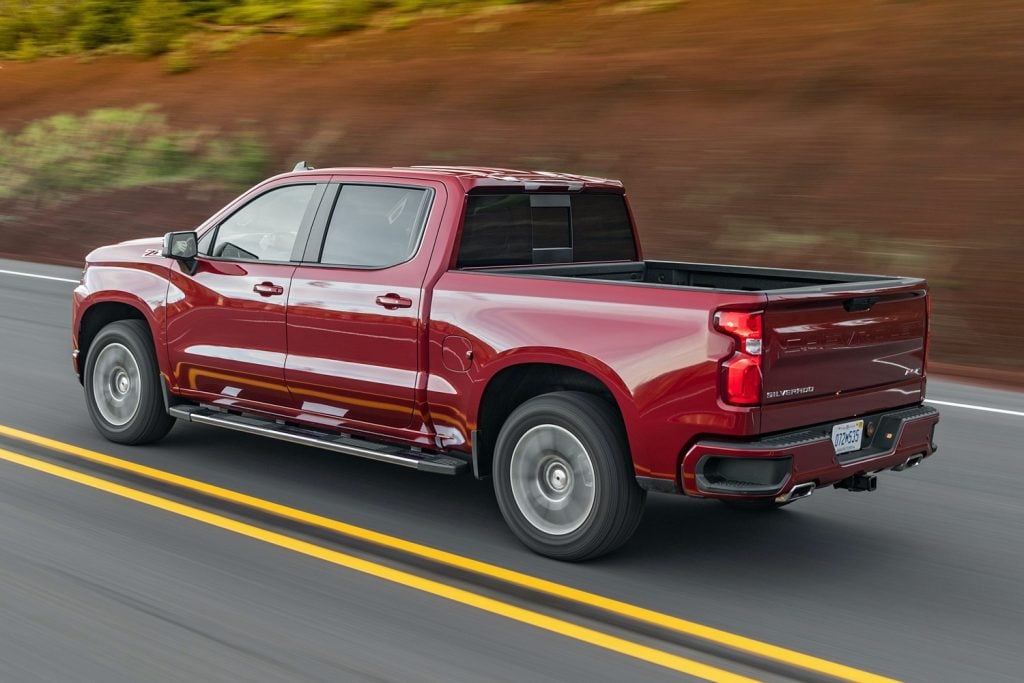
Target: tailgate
{"points": [[820, 343]]}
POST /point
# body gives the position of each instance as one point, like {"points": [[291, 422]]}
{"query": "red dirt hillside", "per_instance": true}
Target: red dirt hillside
{"points": [[877, 136]]}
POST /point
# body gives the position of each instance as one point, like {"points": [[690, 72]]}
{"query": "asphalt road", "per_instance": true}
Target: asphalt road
{"points": [[921, 580]]}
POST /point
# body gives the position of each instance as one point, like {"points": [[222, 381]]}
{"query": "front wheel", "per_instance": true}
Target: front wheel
{"points": [[563, 476], [122, 385]]}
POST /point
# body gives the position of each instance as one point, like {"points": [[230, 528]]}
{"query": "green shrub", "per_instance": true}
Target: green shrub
{"points": [[27, 50], [179, 61], [9, 34], [205, 9], [334, 16], [35, 28], [104, 22], [228, 41], [114, 148], [256, 12], [155, 25]]}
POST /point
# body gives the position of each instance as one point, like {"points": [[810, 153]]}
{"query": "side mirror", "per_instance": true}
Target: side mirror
{"points": [[182, 247]]}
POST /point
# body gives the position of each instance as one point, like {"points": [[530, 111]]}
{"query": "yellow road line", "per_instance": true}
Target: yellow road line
{"points": [[689, 628], [480, 602]]}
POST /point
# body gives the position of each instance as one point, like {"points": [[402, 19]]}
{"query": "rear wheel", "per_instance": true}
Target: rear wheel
{"points": [[563, 477], [122, 385]]}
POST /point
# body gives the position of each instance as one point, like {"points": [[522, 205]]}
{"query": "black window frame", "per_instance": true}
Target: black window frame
{"points": [[542, 251], [301, 237], [321, 223]]}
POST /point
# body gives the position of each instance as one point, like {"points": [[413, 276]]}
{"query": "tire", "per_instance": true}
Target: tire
{"points": [[122, 385], [547, 450]]}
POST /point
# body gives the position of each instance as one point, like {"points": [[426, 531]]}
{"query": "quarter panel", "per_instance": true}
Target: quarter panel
{"points": [[652, 347]]}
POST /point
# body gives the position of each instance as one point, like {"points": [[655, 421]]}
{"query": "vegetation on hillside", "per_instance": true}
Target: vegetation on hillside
{"points": [[60, 156], [35, 28]]}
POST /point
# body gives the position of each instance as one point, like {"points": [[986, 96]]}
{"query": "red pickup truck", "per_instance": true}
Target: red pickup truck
{"points": [[505, 323]]}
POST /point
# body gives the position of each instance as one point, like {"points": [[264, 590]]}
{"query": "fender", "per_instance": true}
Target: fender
{"points": [[143, 287]]}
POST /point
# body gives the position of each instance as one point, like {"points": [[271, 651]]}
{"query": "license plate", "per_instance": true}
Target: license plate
{"points": [[846, 437]]}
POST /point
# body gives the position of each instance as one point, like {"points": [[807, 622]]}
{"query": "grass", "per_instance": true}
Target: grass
{"points": [[65, 155], [31, 29]]}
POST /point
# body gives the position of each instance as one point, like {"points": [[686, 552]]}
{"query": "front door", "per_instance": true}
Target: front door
{"points": [[226, 322], [353, 316]]}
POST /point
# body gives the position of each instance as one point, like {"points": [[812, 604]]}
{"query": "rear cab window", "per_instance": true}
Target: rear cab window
{"points": [[518, 229]]}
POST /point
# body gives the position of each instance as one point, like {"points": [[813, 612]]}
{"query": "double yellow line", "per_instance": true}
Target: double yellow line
{"points": [[533, 618]]}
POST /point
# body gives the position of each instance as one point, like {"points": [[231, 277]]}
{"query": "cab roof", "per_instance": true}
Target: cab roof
{"points": [[484, 178]]}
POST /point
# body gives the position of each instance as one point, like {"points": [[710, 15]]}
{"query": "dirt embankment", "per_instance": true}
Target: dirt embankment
{"points": [[867, 136]]}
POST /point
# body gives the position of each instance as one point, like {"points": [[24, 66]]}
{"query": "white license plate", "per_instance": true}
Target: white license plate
{"points": [[846, 437]]}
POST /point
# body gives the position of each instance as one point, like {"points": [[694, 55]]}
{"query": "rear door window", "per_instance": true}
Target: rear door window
{"points": [[375, 226]]}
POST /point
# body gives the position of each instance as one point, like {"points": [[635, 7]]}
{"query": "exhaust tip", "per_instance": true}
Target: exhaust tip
{"points": [[798, 491], [912, 461]]}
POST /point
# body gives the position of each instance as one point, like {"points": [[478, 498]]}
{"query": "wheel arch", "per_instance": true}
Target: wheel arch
{"points": [[99, 315], [518, 382]]}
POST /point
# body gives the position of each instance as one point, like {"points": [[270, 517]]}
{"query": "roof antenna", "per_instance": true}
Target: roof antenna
{"points": [[302, 166]]}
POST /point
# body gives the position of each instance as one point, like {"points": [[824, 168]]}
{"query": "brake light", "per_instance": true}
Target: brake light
{"points": [[741, 373]]}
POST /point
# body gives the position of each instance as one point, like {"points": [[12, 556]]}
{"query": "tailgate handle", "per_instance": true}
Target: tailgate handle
{"points": [[862, 303]]}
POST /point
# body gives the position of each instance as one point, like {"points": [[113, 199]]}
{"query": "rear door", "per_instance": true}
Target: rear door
{"points": [[355, 305], [836, 341], [226, 322]]}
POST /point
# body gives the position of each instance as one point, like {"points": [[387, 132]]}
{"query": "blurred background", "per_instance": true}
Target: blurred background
{"points": [[879, 136]]}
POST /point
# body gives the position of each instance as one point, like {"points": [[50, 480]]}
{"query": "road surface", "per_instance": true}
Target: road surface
{"points": [[111, 574]]}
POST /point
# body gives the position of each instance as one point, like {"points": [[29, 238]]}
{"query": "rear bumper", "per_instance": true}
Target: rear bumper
{"points": [[773, 466]]}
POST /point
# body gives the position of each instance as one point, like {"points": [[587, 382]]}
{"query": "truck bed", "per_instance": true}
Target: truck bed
{"points": [[705, 276], [825, 335]]}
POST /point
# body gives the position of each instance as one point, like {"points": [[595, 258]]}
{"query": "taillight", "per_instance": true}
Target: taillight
{"points": [[741, 373]]}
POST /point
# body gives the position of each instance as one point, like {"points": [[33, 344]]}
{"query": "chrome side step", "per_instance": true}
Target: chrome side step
{"points": [[362, 448]]}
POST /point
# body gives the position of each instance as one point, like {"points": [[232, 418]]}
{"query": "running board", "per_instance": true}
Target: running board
{"points": [[396, 455]]}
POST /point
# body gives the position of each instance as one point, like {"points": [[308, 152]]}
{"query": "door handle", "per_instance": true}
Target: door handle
{"points": [[392, 301], [268, 289]]}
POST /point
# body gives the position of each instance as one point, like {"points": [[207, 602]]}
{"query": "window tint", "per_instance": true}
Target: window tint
{"points": [[523, 229], [498, 231], [375, 226], [601, 228], [265, 228]]}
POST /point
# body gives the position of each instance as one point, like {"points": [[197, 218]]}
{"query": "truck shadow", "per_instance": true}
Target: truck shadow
{"points": [[810, 542]]}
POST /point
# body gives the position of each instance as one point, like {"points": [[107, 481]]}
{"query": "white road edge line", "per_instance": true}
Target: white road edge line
{"points": [[1001, 411], [40, 277]]}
